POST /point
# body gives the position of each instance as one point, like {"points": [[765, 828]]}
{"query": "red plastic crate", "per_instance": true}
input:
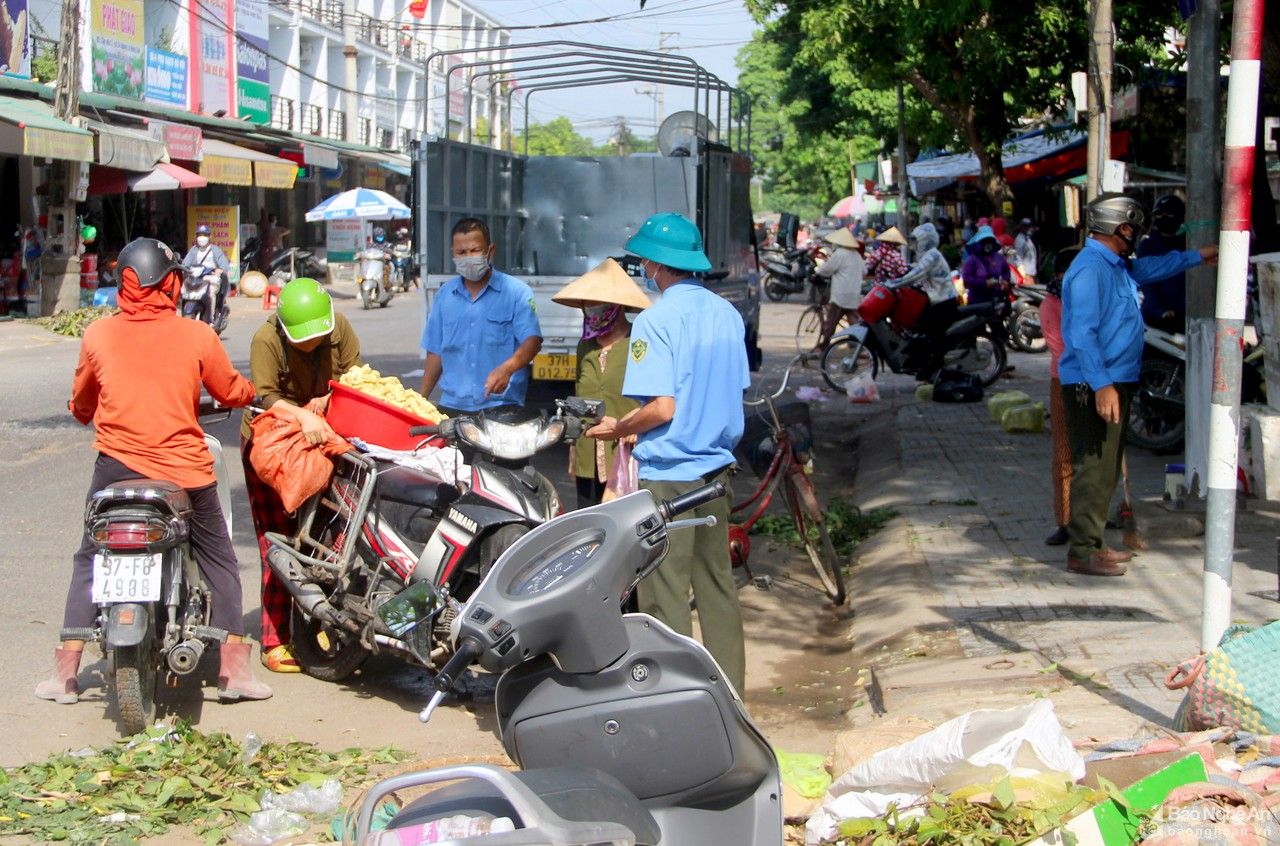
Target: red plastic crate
{"points": [[355, 414]]}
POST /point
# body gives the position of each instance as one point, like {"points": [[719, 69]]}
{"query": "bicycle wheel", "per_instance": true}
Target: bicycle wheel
{"points": [[812, 525], [846, 358], [809, 329]]}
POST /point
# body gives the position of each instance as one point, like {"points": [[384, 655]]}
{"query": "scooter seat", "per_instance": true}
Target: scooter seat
{"points": [[169, 494], [966, 325], [577, 795], [413, 487]]}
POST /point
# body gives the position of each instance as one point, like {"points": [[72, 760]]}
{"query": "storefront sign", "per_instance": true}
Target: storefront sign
{"points": [[52, 144], [343, 239], [314, 154], [253, 89], [225, 170], [213, 71], [115, 33], [185, 143], [166, 78], [457, 83], [374, 177], [15, 37], [224, 230], [274, 175]]}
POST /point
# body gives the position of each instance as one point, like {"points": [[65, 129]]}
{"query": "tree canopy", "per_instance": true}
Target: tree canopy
{"points": [[974, 70], [557, 137]]}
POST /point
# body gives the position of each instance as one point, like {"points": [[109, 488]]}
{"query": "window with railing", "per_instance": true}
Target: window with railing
{"points": [[406, 138], [373, 31], [365, 132], [327, 12], [312, 119], [337, 125], [282, 112]]}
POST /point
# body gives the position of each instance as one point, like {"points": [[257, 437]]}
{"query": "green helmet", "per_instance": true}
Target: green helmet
{"points": [[89, 233], [671, 239], [305, 310]]}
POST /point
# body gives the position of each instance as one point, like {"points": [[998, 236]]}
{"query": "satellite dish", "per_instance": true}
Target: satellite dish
{"points": [[680, 132]]}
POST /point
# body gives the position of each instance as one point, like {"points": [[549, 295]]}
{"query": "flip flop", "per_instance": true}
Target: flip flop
{"points": [[279, 659]]}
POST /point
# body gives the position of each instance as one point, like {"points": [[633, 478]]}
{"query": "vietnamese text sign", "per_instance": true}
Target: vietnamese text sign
{"points": [[225, 170], [253, 91], [166, 78], [253, 100], [212, 71], [185, 143], [15, 38], [224, 230], [344, 238], [115, 32]]}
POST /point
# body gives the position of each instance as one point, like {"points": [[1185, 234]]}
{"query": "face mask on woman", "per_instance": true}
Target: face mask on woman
{"points": [[598, 320], [202, 241]]}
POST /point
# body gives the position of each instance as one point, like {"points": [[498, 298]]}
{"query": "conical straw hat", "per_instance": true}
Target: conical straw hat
{"points": [[892, 235], [841, 238], [606, 283]]}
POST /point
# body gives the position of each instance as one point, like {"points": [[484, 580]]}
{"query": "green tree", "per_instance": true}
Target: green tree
{"points": [[975, 71], [556, 137]]}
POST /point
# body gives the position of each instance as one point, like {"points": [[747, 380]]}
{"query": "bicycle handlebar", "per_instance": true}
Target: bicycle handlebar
{"points": [[786, 376]]}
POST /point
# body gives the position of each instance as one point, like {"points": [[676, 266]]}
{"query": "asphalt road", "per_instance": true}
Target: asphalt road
{"points": [[797, 647]]}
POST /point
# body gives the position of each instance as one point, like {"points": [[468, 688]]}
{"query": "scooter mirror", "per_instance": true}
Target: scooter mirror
{"points": [[415, 604]]}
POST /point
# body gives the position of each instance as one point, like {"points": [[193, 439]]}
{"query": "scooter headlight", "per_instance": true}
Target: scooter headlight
{"points": [[511, 442]]}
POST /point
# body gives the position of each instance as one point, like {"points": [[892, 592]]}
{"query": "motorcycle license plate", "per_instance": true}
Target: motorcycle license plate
{"points": [[556, 367], [126, 578]]}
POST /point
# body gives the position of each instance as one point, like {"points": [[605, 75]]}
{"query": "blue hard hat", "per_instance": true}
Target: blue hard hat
{"points": [[671, 239]]}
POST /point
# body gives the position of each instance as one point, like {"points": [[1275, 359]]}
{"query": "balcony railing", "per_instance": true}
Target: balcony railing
{"points": [[406, 137], [365, 132], [385, 138], [282, 112], [373, 31], [328, 12], [312, 119], [337, 125]]}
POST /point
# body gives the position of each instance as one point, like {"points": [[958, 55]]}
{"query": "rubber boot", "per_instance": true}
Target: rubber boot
{"points": [[235, 676], [62, 687]]}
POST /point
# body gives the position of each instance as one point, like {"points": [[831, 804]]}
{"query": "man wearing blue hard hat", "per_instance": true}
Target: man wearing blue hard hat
{"points": [[687, 364]]}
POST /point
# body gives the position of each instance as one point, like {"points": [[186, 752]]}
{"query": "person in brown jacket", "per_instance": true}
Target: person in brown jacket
{"points": [[138, 381]]}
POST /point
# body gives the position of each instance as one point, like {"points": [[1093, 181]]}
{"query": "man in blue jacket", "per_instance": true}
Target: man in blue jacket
{"points": [[1102, 335]]}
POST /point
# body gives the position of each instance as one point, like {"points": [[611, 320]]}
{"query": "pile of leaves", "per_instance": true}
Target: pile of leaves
{"points": [[847, 524], [73, 323], [1002, 816], [166, 776]]}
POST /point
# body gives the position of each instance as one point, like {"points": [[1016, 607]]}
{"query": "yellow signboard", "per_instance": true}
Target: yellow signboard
{"points": [[224, 230], [52, 144], [274, 175], [225, 170]]}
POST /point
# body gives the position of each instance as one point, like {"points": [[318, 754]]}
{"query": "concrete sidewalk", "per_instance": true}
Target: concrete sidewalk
{"points": [[959, 604]]}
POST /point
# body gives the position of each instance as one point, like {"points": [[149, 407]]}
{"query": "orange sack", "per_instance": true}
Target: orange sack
{"points": [[295, 469]]}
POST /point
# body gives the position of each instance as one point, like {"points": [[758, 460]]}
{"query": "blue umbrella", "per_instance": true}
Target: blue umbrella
{"points": [[359, 203]]}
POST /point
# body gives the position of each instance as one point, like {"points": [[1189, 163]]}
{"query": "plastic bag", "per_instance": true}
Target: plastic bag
{"points": [[1005, 399], [1028, 417], [1235, 685], [624, 473], [862, 388], [306, 798], [438, 831], [266, 827], [282, 458], [971, 749]]}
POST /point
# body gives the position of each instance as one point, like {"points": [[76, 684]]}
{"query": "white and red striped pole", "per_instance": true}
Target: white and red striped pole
{"points": [[1233, 266]]}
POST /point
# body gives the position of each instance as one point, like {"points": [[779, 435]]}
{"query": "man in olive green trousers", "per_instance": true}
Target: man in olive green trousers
{"points": [[687, 365]]}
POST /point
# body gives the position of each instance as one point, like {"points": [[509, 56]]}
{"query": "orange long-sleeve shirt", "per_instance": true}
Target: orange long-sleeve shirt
{"points": [[138, 381]]}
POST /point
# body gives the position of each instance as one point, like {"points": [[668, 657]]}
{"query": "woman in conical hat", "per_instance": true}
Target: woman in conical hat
{"points": [[605, 294]]}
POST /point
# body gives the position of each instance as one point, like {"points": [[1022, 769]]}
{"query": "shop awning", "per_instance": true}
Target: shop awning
{"points": [[163, 177], [127, 149], [403, 170], [1036, 155], [28, 128], [229, 164]]}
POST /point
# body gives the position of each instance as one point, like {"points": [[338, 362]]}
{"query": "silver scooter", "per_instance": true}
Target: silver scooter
{"points": [[625, 732]]}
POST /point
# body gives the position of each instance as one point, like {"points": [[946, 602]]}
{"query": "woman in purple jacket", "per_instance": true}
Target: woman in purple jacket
{"points": [[984, 270]]}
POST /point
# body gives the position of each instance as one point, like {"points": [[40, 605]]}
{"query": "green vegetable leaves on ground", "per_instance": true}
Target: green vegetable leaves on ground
{"points": [[847, 524], [73, 323], [166, 776]]}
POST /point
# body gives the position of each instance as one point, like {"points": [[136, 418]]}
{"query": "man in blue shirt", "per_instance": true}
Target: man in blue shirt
{"points": [[1102, 336], [688, 365], [482, 331]]}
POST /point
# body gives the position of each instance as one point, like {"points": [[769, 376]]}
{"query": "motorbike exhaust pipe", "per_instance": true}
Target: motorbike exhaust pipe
{"points": [[308, 595], [185, 657]]}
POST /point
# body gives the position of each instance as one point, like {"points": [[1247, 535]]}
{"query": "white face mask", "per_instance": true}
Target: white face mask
{"points": [[202, 240], [471, 268]]}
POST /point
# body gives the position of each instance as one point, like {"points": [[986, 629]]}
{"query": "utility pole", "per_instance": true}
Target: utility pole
{"points": [[351, 74], [59, 268], [662, 48], [1098, 98], [904, 187], [621, 138], [1204, 180]]}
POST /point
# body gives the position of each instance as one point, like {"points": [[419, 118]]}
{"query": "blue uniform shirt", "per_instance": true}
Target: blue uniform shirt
{"points": [[688, 345], [474, 336], [1101, 318]]}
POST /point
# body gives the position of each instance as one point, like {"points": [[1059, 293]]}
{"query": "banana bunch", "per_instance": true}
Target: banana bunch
{"points": [[388, 389]]}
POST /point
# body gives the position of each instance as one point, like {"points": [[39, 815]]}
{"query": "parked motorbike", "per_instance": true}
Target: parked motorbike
{"points": [[600, 710], [792, 272], [974, 343], [375, 262], [200, 286], [249, 254], [380, 527], [1023, 325], [153, 603]]}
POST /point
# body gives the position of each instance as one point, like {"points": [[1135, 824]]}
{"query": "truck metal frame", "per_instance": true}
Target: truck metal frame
{"points": [[553, 218]]}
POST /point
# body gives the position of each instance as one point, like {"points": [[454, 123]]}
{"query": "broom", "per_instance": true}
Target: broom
{"points": [[1133, 538]]}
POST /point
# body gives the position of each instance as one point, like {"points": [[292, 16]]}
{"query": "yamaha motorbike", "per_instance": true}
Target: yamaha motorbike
{"points": [[381, 527], [153, 603], [374, 272], [601, 710], [974, 342], [200, 286]]}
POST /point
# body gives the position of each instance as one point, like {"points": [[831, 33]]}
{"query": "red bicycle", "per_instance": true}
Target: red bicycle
{"points": [[781, 458]]}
